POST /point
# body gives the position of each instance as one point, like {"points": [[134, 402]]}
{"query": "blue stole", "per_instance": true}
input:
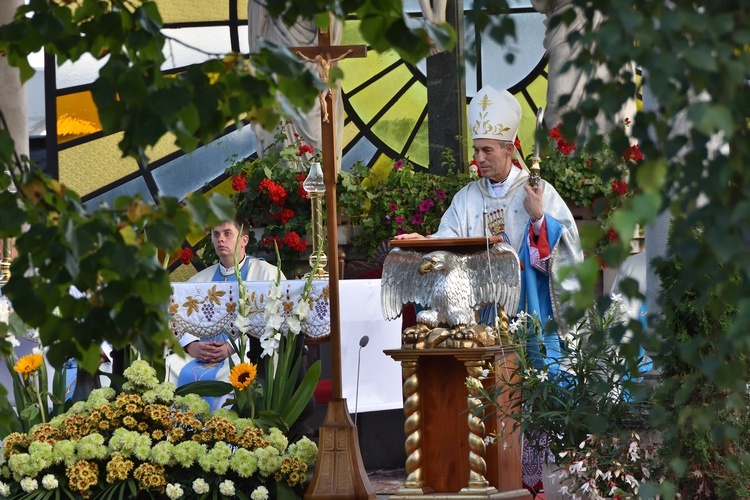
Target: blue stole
{"points": [[537, 301], [196, 370]]}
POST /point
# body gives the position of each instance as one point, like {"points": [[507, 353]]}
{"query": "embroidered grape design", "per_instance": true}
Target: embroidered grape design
{"points": [[320, 308], [208, 310]]}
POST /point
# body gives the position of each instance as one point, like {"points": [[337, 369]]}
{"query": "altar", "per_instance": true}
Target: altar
{"points": [[207, 309]]}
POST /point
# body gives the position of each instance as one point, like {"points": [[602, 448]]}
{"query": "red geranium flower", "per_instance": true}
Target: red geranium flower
{"points": [[293, 241], [563, 145], [612, 235], [632, 153], [239, 182], [268, 242], [276, 192], [305, 148], [187, 255], [284, 216], [620, 187]]}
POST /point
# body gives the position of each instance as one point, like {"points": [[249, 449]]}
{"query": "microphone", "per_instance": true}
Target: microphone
{"points": [[362, 343]]}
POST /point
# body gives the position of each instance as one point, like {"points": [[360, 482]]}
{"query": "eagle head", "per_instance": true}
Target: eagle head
{"points": [[436, 261]]}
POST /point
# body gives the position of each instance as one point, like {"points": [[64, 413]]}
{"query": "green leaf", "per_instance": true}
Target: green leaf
{"points": [[651, 175], [443, 35], [30, 413], [213, 388], [302, 395], [701, 57], [711, 118], [163, 234]]}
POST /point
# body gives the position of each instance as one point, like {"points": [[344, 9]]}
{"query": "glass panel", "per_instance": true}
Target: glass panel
{"points": [[77, 116], [350, 132], [370, 100], [362, 151], [357, 71], [164, 147], [242, 9], [131, 188], [527, 49], [93, 165], [419, 151], [396, 126], [182, 11], [243, 36], [190, 172], [538, 92], [211, 39], [82, 72]]}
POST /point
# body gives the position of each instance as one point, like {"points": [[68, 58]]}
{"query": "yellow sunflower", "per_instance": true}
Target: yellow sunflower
{"points": [[28, 364], [242, 375]]}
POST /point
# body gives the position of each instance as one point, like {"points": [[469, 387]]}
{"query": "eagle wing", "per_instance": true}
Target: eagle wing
{"points": [[402, 283], [502, 266]]}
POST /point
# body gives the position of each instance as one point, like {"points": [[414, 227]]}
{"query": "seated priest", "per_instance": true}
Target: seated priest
{"points": [[535, 221], [206, 358]]}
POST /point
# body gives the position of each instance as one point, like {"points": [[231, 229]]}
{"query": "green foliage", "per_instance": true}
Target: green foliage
{"points": [[110, 257], [132, 95], [578, 394], [395, 199], [696, 63], [702, 403]]}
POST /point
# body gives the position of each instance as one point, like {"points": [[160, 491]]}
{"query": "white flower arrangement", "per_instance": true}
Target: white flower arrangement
{"points": [[601, 468], [115, 444]]}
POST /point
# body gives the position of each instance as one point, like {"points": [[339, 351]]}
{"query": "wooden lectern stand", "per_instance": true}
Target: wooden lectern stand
{"points": [[446, 453]]}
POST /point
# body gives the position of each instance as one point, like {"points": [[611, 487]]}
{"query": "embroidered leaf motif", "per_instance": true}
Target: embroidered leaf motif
{"points": [[192, 305], [214, 295]]}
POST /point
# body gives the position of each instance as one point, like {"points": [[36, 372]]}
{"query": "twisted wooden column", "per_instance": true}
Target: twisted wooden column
{"points": [[412, 425], [477, 448]]}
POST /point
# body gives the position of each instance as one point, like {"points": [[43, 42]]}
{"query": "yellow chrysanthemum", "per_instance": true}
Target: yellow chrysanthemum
{"points": [[28, 364], [242, 375]]}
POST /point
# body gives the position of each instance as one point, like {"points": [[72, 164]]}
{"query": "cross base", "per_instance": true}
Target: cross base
{"points": [[339, 472]]}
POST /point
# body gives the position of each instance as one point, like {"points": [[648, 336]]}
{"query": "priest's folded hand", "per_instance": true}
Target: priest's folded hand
{"points": [[209, 352]]}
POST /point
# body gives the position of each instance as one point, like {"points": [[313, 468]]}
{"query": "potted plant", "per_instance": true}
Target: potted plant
{"points": [[580, 401]]}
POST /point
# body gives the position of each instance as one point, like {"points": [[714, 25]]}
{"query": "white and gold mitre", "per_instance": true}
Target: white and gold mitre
{"points": [[494, 115]]}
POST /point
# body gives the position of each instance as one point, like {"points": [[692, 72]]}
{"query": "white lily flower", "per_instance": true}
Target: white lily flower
{"points": [[275, 292], [4, 310], [242, 323], [302, 309], [294, 324]]}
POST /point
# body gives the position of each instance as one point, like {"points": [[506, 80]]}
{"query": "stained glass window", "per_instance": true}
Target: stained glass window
{"points": [[385, 101]]}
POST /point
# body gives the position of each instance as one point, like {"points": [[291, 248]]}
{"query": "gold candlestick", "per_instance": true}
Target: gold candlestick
{"points": [[5, 263], [315, 187]]}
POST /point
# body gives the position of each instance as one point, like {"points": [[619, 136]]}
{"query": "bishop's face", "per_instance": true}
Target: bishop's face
{"points": [[493, 158]]}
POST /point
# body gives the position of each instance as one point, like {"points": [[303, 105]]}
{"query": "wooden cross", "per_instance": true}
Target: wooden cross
{"points": [[339, 470]]}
